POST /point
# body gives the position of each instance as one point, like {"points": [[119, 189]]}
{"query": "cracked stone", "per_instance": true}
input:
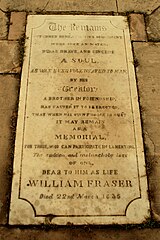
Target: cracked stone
{"points": [[9, 57], [3, 25], [153, 25], [148, 72]]}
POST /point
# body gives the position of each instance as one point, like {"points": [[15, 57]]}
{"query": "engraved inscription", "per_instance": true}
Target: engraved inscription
{"points": [[79, 151]]}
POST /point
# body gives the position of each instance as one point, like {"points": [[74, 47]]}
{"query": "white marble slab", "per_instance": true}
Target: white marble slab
{"points": [[79, 154]]}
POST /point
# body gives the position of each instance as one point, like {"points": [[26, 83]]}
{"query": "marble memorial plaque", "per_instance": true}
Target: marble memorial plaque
{"points": [[79, 152]]}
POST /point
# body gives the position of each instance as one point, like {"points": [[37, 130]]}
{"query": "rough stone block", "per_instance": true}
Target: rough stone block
{"points": [[8, 91], [5, 164], [80, 233], [137, 27], [8, 98], [148, 72], [137, 5], [9, 57], [59, 5], [17, 25], [153, 25], [3, 25]]}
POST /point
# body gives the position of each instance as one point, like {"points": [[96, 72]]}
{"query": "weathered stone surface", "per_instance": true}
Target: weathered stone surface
{"points": [[8, 91], [5, 164], [148, 72], [8, 97], [3, 25], [138, 5], [9, 57], [66, 75], [59, 5], [137, 27], [79, 233], [17, 25], [153, 25]]}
